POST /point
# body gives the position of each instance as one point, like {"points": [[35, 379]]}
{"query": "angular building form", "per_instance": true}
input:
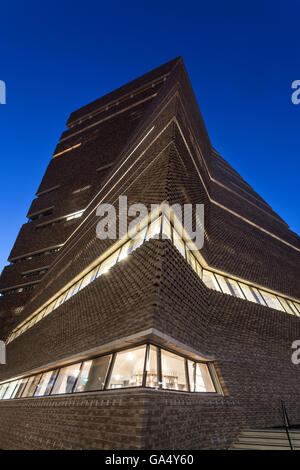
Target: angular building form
{"points": [[142, 343]]}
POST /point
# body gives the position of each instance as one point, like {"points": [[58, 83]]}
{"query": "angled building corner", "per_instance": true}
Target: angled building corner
{"points": [[168, 347]]}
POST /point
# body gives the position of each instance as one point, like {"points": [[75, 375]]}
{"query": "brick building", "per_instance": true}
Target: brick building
{"points": [[141, 343]]}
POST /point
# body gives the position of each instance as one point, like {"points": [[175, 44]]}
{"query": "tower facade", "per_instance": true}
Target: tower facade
{"points": [[146, 342]]}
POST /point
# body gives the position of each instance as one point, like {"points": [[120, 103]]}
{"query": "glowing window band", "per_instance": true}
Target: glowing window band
{"points": [[162, 226]]}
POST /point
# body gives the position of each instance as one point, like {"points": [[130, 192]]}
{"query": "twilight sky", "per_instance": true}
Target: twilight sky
{"points": [[242, 58]]}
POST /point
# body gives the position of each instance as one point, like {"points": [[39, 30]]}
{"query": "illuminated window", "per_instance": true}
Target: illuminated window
{"points": [[126, 250], [154, 229], [258, 297], [203, 381], [272, 301], [45, 385], [145, 365], [128, 368], [166, 229], [93, 374], [108, 263], [223, 283], [20, 387], [247, 292], [151, 368], [66, 379], [31, 385], [210, 280], [173, 371], [234, 288], [10, 390]]}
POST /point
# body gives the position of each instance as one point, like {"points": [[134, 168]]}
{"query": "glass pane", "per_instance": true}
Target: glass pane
{"points": [[49, 308], [248, 293], [108, 263], [31, 385], [40, 315], [286, 305], [10, 390], [128, 368], [66, 379], [258, 297], [88, 278], [20, 387], [3, 390], [151, 368], [292, 306], [191, 369], [45, 385], [57, 302], [173, 371], [235, 288], [210, 280], [223, 284], [166, 229], [272, 301], [14, 391], [297, 307], [139, 239], [73, 290], [154, 229], [126, 250], [203, 379], [93, 374]]}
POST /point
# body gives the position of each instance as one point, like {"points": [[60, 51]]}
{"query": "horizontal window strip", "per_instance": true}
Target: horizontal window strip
{"points": [[145, 365], [162, 227]]}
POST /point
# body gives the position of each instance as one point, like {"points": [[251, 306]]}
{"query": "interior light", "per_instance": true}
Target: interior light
{"points": [[130, 356]]}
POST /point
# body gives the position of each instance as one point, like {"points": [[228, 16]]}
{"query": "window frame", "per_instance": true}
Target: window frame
{"points": [[57, 369]]}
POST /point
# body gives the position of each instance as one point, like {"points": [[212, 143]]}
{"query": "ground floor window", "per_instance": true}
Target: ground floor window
{"points": [[146, 365]]}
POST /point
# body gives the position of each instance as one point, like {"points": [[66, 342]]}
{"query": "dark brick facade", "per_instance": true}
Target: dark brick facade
{"points": [[156, 141]]}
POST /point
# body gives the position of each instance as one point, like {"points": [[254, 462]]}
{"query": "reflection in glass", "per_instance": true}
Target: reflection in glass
{"points": [[93, 374], [45, 384], [203, 382], [128, 368], [151, 368], [20, 387], [173, 371], [66, 379], [31, 385]]}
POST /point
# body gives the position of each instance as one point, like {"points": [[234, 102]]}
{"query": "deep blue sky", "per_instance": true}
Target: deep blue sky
{"points": [[241, 57]]}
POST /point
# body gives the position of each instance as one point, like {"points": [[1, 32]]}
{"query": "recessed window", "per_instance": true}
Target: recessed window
{"points": [[203, 381], [66, 379], [141, 366], [45, 385], [173, 371], [210, 280], [31, 385], [128, 368], [93, 374], [20, 388], [151, 368]]}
